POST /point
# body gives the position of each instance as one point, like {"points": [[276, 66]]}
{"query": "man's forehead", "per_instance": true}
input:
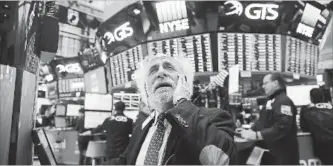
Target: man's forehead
{"points": [[267, 77], [162, 59]]}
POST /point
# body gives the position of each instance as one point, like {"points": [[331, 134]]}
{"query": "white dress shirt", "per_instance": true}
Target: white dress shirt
{"points": [[144, 148]]}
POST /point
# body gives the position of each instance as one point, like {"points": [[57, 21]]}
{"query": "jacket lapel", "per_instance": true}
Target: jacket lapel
{"points": [[171, 147], [139, 137]]}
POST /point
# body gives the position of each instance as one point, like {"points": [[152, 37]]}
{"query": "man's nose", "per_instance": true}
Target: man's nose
{"points": [[161, 72]]}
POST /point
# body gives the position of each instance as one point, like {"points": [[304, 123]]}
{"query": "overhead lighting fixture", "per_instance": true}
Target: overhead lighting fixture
{"points": [[5, 6], [49, 78], [136, 11]]}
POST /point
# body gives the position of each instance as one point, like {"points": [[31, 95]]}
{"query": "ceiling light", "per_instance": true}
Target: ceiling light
{"points": [[136, 11], [5, 6]]}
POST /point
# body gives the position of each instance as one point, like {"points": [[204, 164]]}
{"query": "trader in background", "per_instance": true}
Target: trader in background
{"points": [[317, 119], [118, 127], [277, 123]]}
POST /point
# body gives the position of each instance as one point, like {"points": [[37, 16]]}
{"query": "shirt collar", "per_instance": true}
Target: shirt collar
{"points": [[155, 116], [276, 93], [148, 119]]}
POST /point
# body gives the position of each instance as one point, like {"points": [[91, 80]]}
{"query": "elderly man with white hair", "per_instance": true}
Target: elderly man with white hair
{"points": [[177, 132]]}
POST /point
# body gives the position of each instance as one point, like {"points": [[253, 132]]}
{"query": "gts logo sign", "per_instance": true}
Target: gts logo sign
{"points": [[254, 11], [119, 34]]}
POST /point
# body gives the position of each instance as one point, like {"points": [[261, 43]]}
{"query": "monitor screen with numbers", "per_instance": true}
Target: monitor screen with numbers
{"points": [[95, 81]]}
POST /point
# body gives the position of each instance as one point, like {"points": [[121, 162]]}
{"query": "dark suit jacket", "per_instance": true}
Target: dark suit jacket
{"points": [[279, 130], [118, 128], [198, 136]]}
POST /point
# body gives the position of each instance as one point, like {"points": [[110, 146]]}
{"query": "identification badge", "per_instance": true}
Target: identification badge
{"points": [[285, 109], [269, 104]]}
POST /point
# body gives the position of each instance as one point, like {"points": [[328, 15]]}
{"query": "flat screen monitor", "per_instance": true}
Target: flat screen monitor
{"points": [[95, 81], [300, 94], [94, 118], [73, 109], [98, 102], [60, 110], [60, 122]]}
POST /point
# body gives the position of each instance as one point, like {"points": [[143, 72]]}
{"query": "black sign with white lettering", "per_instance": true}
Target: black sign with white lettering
{"points": [[310, 21], [75, 18], [306, 20], [180, 18], [252, 16], [67, 68], [123, 30]]}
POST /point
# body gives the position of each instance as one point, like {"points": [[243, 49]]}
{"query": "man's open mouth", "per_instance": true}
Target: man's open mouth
{"points": [[163, 85]]}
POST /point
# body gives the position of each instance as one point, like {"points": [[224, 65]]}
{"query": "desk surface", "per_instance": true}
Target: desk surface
{"points": [[95, 134], [303, 134], [59, 129], [240, 140]]}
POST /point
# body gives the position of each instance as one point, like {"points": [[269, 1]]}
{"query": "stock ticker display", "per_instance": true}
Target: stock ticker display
{"points": [[253, 52], [258, 36], [124, 64], [196, 47], [301, 57]]}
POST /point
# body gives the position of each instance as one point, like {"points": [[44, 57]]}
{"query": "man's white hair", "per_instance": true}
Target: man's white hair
{"points": [[141, 73]]}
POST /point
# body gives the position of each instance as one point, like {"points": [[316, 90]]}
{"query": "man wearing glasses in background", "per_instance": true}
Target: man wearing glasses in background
{"points": [[277, 123]]}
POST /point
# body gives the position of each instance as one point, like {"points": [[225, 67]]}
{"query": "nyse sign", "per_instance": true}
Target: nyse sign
{"points": [[174, 26], [119, 34], [254, 11], [311, 16], [305, 30]]}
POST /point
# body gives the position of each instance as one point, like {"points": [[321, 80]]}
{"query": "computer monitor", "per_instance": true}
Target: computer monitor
{"points": [[94, 118], [95, 81], [43, 147], [300, 94], [60, 110], [73, 109], [60, 122], [98, 102]]}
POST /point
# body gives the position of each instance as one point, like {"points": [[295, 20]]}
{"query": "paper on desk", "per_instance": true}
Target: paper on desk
{"points": [[239, 139], [256, 156]]}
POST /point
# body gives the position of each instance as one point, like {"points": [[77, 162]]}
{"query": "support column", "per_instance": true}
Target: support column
{"points": [[18, 85]]}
